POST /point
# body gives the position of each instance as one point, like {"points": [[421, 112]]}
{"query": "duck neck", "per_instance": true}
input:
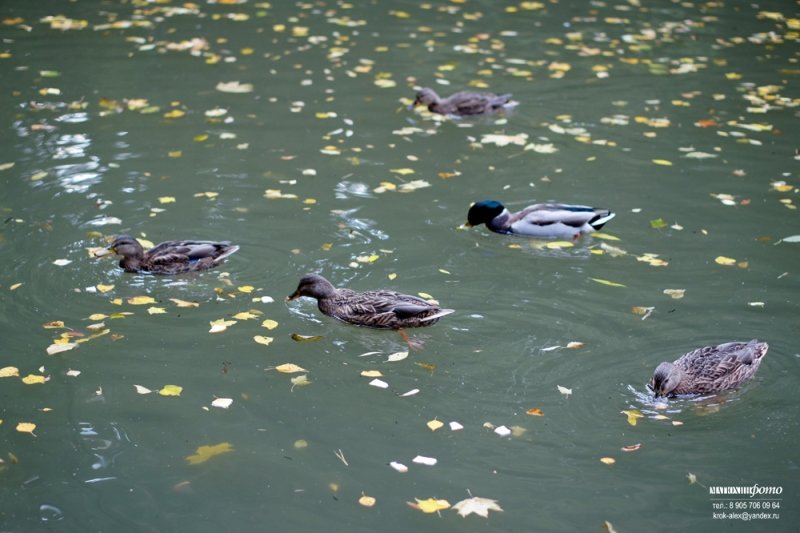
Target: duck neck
{"points": [[500, 223]]}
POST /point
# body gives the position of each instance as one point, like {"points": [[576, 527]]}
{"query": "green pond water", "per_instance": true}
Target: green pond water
{"points": [[118, 117]]}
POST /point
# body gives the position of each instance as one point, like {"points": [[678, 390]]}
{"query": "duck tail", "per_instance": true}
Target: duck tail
{"points": [[603, 216], [438, 315], [229, 251]]}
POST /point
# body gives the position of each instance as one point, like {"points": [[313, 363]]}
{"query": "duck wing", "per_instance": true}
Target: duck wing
{"points": [[723, 366], [475, 103], [191, 250], [378, 309]]}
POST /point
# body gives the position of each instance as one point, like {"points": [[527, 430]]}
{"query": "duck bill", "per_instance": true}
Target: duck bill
{"points": [[101, 252], [413, 105], [294, 296], [467, 225]]}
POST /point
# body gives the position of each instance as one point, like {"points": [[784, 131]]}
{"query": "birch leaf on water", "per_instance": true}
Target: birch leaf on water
{"points": [[397, 356], [171, 390], [431, 505], [290, 368]]}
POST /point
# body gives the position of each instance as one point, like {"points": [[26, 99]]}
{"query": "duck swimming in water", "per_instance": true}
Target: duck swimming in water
{"points": [[539, 220], [709, 369], [461, 103], [170, 257], [382, 309]]}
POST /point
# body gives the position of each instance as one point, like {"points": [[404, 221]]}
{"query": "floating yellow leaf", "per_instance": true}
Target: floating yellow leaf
{"points": [[33, 379], [26, 427], [175, 154], [722, 260], [220, 325], [633, 415], [166, 199], [171, 390], [58, 347], [56, 324], [260, 339], [141, 300], [156, 310], [402, 171], [290, 368], [103, 288], [246, 315], [371, 373], [367, 501], [247, 289], [431, 505], [608, 460], [662, 162], [535, 411], [15, 286], [184, 303], [298, 381], [234, 87], [559, 244], [575, 345], [9, 372], [606, 282], [677, 294], [434, 424], [204, 453], [97, 316], [269, 324]]}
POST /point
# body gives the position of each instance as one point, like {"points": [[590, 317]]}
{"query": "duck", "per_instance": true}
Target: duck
{"points": [[709, 369], [461, 103], [170, 257], [380, 309], [539, 220]]}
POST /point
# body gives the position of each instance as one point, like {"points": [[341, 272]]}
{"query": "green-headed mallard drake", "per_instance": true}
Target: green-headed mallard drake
{"points": [[539, 220], [170, 257], [709, 369], [461, 103], [382, 309]]}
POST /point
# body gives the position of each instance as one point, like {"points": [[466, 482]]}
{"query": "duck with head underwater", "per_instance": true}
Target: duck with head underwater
{"points": [[552, 220], [709, 369], [170, 257], [381, 309]]}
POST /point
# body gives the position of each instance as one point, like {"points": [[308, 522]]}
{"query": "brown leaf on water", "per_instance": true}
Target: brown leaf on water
{"points": [[535, 411]]}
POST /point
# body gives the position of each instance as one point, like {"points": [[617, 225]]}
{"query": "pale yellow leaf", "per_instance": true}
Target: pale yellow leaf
{"points": [[183, 303], [367, 501], [431, 505], [608, 460], [141, 300], [722, 260], [371, 373], [156, 310], [58, 347], [269, 324], [26, 427], [633, 415], [9, 372], [32, 379], [434, 424], [290, 368], [261, 339]]}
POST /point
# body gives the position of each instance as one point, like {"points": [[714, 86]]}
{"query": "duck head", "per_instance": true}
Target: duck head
{"points": [[126, 246], [314, 286], [666, 379], [426, 97], [483, 212]]}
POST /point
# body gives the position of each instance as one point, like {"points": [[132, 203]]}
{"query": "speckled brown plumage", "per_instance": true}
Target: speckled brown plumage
{"points": [[461, 103], [709, 369], [382, 309], [170, 257]]}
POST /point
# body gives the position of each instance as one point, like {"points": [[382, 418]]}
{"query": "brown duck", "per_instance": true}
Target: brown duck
{"points": [[382, 309], [709, 369], [461, 103], [170, 257]]}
